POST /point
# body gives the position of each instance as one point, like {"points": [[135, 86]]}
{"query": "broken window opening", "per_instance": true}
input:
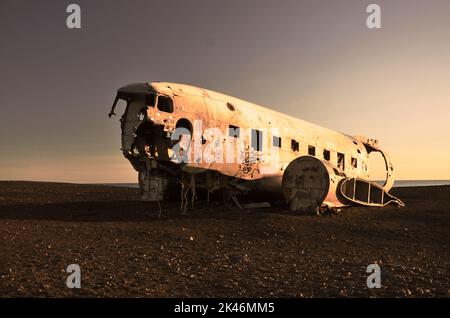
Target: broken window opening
{"points": [[233, 131], [256, 140], [326, 155], [341, 160], [354, 163], [151, 141], [150, 100], [336, 172], [295, 146], [276, 141], [165, 104], [311, 150]]}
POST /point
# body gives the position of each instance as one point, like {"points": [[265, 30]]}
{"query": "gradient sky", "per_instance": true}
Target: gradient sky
{"points": [[315, 60]]}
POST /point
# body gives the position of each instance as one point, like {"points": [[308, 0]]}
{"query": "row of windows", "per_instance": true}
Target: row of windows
{"points": [[165, 104], [256, 141]]}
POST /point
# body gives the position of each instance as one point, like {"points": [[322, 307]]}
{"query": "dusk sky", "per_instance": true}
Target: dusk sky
{"points": [[315, 60]]}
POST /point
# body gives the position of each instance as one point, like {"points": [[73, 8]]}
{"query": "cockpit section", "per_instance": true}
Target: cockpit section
{"points": [[147, 123]]}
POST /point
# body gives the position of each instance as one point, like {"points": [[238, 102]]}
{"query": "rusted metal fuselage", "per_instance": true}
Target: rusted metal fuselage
{"points": [[176, 134]]}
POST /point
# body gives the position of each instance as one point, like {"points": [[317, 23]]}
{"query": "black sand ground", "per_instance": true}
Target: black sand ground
{"points": [[125, 250]]}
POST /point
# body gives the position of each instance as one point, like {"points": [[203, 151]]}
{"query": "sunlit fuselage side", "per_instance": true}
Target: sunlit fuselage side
{"points": [[210, 117]]}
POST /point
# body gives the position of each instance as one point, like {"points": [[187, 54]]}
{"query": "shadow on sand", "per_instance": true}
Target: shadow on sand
{"points": [[101, 211]]}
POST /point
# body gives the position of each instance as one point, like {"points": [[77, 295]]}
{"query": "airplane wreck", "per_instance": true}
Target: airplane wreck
{"points": [[177, 135]]}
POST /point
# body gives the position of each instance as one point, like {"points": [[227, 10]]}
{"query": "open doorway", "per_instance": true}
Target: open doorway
{"points": [[377, 168]]}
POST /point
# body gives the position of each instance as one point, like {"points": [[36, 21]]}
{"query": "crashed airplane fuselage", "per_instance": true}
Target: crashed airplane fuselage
{"points": [[180, 134]]}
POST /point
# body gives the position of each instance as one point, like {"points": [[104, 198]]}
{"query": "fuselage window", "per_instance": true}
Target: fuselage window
{"points": [[341, 160], [295, 146], [165, 104], [326, 155], [233, 131], [311, 150], [276, 141], [257, 140], [354, 162]]}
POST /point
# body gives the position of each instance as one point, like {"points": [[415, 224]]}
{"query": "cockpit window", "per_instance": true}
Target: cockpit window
{"points": [[165, 104], [150, 100]]}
